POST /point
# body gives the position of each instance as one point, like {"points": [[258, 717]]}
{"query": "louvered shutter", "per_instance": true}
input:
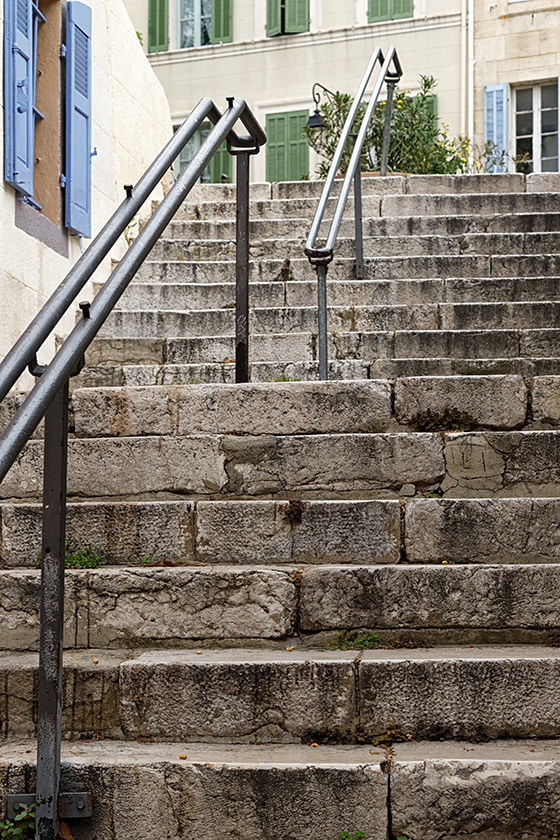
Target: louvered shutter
{"points": [[221, 165], [495, 119], [222, 21], [379, 10], [297, 147], [401, 9], [430, 105], [275, 147], [19, 87], [78, 119], [158, 25], [297, 16], [273, 17]]}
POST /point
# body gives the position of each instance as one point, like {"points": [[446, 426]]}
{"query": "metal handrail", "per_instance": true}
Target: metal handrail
{"points": [[50, 396], [321, 257]]}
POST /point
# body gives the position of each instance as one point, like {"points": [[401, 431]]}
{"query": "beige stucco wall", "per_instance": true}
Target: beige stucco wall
{"points": [[130, 123], [277, 74], [515, 43]]}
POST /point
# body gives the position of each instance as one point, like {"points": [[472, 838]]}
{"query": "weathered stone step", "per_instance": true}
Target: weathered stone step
{"points": [[277, 696], [386, 246], [307, 407], [265, 533], [302, 347], [467, 204], [294, 227], [185, 606], [340, 293], [277, 208], [343, 268], [378, 465], [143, 323], [394, 368]]}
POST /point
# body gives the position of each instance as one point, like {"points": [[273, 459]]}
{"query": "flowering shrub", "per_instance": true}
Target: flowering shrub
{"points": [[417, 144]]}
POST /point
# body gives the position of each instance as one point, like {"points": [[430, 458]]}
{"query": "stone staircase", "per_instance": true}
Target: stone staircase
{"points": [[321, 607]]}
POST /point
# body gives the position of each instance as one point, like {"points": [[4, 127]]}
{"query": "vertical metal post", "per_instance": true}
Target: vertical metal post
{"points": [[322, 322], [387, 127], [52, 617], [242, 270], [358, 227]]}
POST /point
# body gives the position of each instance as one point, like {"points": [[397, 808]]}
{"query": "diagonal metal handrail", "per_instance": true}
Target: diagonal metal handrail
{"points": [[49, 399], [321, 257]]}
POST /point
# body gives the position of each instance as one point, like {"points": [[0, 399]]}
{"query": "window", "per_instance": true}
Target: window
{"points": [[286, 17], [380, 10], [536, 128], [287, 150], [220, 168], [23, 61], [495, 120], [200, 22]]}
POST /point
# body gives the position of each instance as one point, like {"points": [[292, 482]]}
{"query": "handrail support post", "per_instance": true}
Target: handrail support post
{"points": [[52, 616], [387, 126], [322, 322], [358, 223], [242, 269]]}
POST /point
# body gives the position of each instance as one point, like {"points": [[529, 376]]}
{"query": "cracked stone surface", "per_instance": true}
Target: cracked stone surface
{"points": [[496, 692], [483, 530], [19, 609], [256, 696], [312, 532], [546, 399], [497, 401], [239, 793], [256, 408], [476, 791], [430, 597], [123, 533], [502, 463]]}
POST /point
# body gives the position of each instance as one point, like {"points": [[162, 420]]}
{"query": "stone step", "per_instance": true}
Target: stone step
{"points": [[302, 347], [144, 323], [210, 791], [293, 227], [467, 204], [345, 466], [240, 695], [374, 246], [341, 293], [394, 368], [268, 533], [225, 605], [309, 407], [280, 208], [343, 268]]}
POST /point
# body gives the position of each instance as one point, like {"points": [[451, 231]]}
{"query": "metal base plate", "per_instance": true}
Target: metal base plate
{"points": [[71, 806]]}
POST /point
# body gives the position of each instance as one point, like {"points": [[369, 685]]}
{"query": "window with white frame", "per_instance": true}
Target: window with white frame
{"points": [[195, 23], [536, 128]]}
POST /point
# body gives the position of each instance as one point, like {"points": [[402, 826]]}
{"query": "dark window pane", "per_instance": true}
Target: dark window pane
{"points": [[525, 145], [205, 33], [549, 121], [525, 166], [549, 95], [550, 165], [549, 145], [524, 123], [524, 99]]}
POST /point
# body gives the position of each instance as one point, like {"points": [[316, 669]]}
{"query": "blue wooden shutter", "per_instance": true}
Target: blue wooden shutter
{"points": [[78, 119], [297, 16], [495, 119], [222, 21], [19, 95], [273, 18]]}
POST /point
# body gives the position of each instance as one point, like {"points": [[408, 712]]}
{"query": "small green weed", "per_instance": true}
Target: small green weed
{"points": [[354, 640], [22, 826], [79, 557], [347, 836], [147, 560]]}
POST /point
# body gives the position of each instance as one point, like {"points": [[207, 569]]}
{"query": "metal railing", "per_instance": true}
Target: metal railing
{"points": [[49, 399], [321, 257]]}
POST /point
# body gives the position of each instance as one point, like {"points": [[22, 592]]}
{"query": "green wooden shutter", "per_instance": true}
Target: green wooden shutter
{"points": [[402, 9], [297, 16], [221, 164], [275, 146], [222, 21], [273, 17], [430, 105], [158, 25], [297, 164], [379, 10]]}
